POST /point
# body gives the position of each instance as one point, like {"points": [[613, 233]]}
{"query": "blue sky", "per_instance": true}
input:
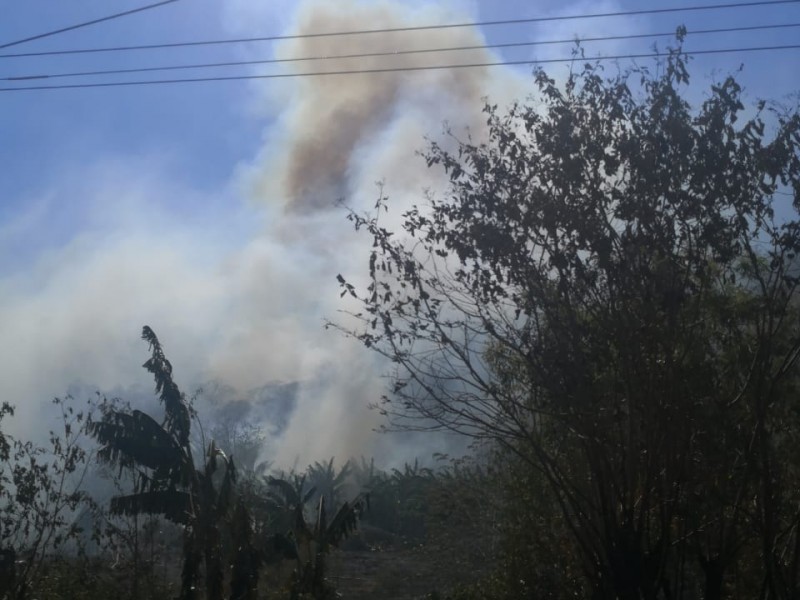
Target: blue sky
{"points": [[166, 204]]}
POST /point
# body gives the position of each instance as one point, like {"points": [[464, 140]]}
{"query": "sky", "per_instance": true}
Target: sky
{"points": [[207, 210]]}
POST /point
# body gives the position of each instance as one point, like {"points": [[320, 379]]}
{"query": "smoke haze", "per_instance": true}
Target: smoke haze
{"points": [[239, 295]]}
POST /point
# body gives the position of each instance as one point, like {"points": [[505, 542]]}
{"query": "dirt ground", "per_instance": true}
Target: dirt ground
{"points": [[397, 573], [404, 574]]}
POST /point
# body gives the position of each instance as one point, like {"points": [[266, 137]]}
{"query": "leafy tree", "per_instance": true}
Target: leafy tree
{"points": [[167, 482], [608, 292]]}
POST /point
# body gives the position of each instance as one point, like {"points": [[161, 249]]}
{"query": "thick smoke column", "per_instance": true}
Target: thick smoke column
{"points": [[330, 119], [336, 135]]}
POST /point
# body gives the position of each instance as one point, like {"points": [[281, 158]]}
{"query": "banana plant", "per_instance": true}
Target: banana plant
{"points": [[313, 540], [167, 482], [328, 482]]}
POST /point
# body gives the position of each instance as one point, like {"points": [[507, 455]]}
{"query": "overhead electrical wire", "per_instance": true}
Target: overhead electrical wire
{"points": [[390, 53], [649, 11], [388, 69], [86, 23]]}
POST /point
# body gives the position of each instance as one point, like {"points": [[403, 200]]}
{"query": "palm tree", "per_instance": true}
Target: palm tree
{"points": [[316, 538], [328, 483], [167, 482]]}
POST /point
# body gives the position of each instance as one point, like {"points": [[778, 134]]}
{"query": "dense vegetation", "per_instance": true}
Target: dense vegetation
{"points": [[172, 529], [605, 301], [607, 294]]}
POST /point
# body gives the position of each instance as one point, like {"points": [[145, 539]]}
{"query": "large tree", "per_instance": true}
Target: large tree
{"points": [[608, 292]]}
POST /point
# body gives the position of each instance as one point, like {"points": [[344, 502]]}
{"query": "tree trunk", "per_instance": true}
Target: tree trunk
{"points": [[214, 574], [714, 572], [191, 564]]}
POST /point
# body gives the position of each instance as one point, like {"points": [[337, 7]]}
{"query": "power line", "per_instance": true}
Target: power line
{"points": [[273, 38], [387, 69], [86, 24], [240, 63]]}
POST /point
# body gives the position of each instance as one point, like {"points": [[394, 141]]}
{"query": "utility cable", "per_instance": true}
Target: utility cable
{"points": [[273, 38], [389, 69], [240, 63], [86, 24]]}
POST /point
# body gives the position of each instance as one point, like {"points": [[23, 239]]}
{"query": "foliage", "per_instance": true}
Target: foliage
{"points": [[41, 493], [243, 440], [608, 293], [327, 482], [398, 497], [166, 480], [313, 540]]}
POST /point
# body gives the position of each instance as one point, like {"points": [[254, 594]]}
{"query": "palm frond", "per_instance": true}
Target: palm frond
{"points": [[174, 505], [308, 495], [321, 526], [344, 473], [290, 493], [345, 522]]}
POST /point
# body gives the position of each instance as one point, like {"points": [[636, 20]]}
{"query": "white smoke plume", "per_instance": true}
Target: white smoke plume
{"points": [[248, 313]]}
